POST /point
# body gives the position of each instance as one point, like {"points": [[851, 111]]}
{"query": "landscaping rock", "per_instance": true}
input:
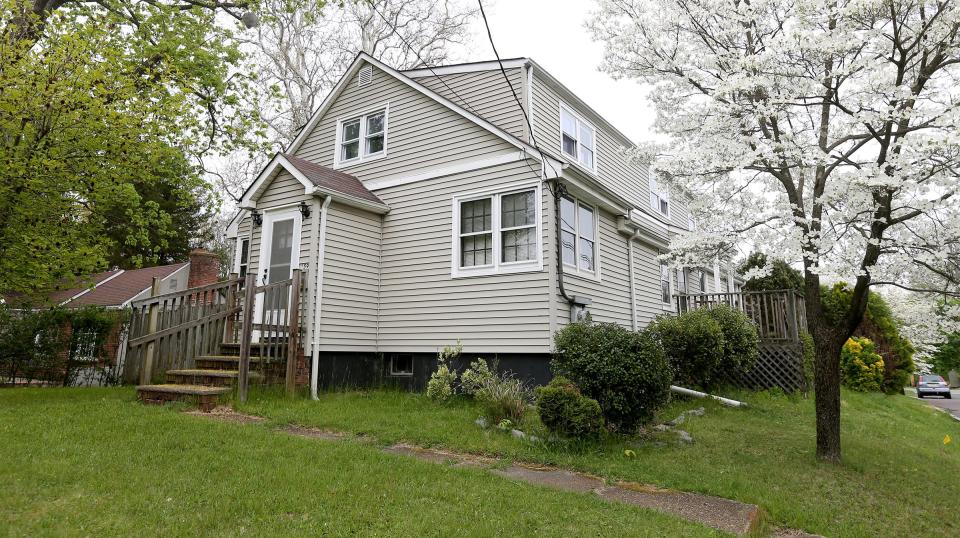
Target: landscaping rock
{"points": [[518, 434], [684, 437], [482, 422], [661, 428], [698, 412]]}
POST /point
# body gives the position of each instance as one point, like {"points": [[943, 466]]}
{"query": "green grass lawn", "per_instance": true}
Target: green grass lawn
{"points": [[94, 462], [897, 477]]}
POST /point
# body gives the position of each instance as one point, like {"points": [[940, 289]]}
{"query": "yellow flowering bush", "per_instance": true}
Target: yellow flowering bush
{"points": [[861, 367]]}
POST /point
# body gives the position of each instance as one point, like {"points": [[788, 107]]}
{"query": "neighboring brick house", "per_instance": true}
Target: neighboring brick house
{"points": [[116, 289]]}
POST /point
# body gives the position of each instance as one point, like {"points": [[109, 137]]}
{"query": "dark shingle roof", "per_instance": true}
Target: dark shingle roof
{"points": [[333, 180], [124, 286]]}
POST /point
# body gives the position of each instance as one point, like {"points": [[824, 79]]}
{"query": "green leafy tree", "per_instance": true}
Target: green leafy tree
{"points": [[780, 277], [107, 110]]}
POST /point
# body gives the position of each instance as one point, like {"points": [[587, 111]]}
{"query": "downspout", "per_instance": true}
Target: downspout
{"points": [[318, 286], [633, 288], [558, 192]]}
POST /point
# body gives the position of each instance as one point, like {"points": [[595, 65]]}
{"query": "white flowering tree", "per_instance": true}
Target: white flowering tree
{"points": [[822, 131]]}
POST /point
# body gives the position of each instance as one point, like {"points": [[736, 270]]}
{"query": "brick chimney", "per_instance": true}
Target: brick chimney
{"points": [[204, 268]]}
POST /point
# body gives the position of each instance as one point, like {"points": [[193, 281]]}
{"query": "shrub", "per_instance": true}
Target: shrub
{"points": [[694, 344], [861, 367], [626, 372], [440, 385], [741, 343], [502, 396], [809, 356], [565, 411], [474, 377]]}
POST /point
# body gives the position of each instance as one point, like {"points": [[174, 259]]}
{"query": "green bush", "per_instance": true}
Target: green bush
{"points": [[475, 377], [626, 372], [694, 344], [502, 396], [741, 343], [861, 367], [565, 411], [440, 385], [809, 351]]}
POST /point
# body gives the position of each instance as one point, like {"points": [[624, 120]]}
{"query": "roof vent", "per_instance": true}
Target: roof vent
{"points": [[366, 75]]}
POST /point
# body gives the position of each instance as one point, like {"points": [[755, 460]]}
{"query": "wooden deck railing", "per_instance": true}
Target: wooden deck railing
{"points": [[169, 331], [780, 315]]}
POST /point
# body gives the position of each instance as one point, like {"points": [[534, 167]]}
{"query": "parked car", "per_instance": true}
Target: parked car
{"points": [[933, 385]]}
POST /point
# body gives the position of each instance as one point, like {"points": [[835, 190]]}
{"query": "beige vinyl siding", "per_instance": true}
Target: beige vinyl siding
{"points": [[485, 93], [351, 275], [422, 308], [421, 133], [286, 191], [627, 179], [646, 271]]}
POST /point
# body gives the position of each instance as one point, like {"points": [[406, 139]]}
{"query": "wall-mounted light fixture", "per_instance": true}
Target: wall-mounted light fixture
{"points": [[305, 210], [257, 217]]}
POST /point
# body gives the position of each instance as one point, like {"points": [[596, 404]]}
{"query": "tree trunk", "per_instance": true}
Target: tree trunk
{"points": [[828, 341]]}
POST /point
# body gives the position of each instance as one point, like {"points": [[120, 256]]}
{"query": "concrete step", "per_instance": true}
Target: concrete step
{"points": [[256, 349], [204, 397], [206, 377]]}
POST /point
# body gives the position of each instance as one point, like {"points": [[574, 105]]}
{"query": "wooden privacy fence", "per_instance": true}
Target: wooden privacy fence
{"points": [[780, 316], [169, 331]]}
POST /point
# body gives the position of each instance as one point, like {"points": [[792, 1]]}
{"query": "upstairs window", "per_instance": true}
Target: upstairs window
{"points": [[659, 197], [362, 138], [498, 232], [578, 235], [578, 139]]}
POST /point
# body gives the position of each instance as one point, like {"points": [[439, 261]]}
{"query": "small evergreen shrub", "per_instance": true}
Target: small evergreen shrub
{"points": [[440, 385], [474, 377], [741, 342], [565, 411], [861, 367], [503, 397], [626, 372], [694, 344]]}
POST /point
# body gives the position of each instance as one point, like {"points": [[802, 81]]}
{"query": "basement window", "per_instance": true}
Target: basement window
{"points": [[401, 365]]}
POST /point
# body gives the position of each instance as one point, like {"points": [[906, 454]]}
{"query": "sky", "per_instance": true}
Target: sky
{"points": [[553, 34]]}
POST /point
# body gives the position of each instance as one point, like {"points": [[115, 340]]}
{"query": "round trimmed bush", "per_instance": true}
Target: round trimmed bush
{"points": [[741, 343], [861, 367], [626, 372], [693, 342], [565, 411]]}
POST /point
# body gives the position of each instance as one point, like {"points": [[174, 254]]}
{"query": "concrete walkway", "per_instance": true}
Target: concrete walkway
{"points": [[727, 515]]}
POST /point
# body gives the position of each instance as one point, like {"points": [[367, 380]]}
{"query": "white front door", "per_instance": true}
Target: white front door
{"points": [[279, 256]]}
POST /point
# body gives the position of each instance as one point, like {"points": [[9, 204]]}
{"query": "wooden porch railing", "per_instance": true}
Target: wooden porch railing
{"points": [[780, 315], [169, 331]]}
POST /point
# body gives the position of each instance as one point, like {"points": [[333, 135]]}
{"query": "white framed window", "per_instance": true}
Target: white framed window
{"points": [[659, 196], [497, 232], [363, 137], [401, 365], [243, 258], [578, 138], [681, 280], [665, 292], [703, 281], [578, 236]]}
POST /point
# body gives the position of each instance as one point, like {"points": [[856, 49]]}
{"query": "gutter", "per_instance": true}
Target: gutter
{"points": [[318, 286]]}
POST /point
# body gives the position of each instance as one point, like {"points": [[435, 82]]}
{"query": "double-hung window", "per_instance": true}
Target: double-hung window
{"points": [[497, 232], [659, 197], [362, 137], [578, 236], [243, 258], [665, 282], [681, 280], [578, 139]]}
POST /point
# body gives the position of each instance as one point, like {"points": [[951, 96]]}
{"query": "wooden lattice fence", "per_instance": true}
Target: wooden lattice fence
{"points": [[779, 316]]}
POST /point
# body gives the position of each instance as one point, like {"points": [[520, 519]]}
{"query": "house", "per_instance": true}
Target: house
{"points": [[116, 289], [438, 205]]}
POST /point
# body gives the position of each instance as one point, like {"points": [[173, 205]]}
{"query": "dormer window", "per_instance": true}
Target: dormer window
{"points": [[659, 197], [578, 139], [362, 137]]}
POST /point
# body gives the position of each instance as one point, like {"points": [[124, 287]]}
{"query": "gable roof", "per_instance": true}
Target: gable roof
{"points": [[316, 179], [124, 286], [332, 180], [362, 58]]}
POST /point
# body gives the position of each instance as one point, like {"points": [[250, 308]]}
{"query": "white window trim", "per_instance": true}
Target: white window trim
{"points": [[236, 255], [575, 160], [362, 156], [667, 305], [395, 373], [574, 269], [497, 267], [660, 194]]}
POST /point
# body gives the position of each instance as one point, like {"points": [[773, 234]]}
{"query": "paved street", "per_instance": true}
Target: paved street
{"points": [[953, 406]]}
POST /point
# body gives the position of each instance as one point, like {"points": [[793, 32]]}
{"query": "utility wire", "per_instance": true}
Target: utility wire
{"points": [[417, 54]]}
